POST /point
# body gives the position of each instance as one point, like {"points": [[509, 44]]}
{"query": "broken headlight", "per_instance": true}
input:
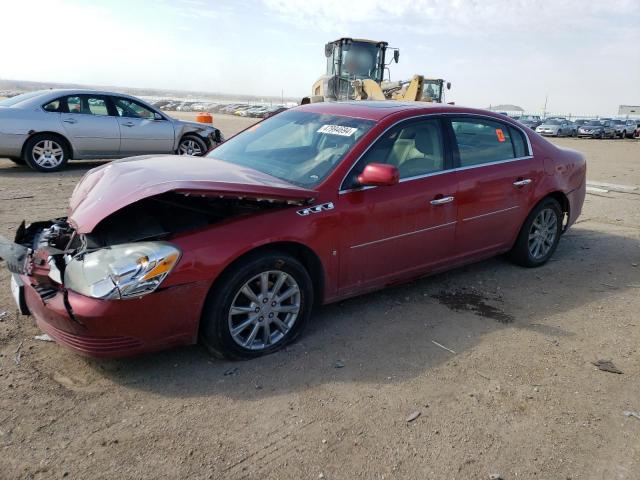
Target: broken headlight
{"points": [[121, 271]]}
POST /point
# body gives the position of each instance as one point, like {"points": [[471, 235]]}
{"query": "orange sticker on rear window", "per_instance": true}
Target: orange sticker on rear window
{"points": [[500, 135]]}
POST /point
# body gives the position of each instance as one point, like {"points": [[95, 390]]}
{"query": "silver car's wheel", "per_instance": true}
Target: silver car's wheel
{"points": [[264, 310], [192, 146], [542, 234], [48, 154]]}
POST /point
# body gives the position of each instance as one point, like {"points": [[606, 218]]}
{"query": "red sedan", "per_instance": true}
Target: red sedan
{"points": [[313, 205]]}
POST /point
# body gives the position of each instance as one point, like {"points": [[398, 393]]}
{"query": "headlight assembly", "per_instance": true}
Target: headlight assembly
{"points": [[122, 271]]}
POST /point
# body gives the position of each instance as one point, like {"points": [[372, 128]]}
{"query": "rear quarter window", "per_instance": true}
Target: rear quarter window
{"points": [[52, 106], [519, 143]]}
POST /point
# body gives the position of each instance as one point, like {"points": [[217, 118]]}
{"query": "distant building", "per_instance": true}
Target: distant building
{"points": [[631, 110], [506, 108]]}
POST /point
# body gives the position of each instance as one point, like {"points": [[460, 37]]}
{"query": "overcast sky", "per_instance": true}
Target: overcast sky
{"points": [[583, 53]]}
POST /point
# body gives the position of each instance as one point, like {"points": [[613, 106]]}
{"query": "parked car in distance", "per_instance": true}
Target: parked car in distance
{"points": [[316, 204], [45, 129], [253, 111], [630, 127], [531, 121], [580, 122], [620, 128], [241, 109], [597, 129], [273, 111], [229, 109], [555, 128]]}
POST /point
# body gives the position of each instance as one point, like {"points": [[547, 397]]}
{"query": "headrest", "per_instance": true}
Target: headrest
{"points": [[425, 137]]}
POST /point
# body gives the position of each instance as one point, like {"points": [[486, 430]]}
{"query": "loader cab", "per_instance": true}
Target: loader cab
{"points": [[433, 90], [351, 59]]}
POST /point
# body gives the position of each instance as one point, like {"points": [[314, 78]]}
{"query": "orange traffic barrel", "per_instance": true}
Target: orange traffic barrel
{"points": [[204, 118]]}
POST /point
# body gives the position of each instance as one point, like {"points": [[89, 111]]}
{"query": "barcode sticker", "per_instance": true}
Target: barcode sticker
{"points": [[337, 130]]}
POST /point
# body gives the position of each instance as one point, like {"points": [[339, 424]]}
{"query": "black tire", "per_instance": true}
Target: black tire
{"points": [[57, 162], [520, 254], [215, 326], [189, 143]]}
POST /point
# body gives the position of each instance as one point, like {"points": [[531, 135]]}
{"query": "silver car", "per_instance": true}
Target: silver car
{"points": [[556, 128], [45, 129]]}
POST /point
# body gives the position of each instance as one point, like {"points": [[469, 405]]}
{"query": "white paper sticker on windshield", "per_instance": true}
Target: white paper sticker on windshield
{"points": [[337, 130]]}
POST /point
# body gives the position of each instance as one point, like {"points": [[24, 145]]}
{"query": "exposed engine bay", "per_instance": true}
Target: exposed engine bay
{"points": [[45, 250], [152, 218]]}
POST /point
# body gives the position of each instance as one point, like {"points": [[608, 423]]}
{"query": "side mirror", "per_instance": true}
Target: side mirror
{"points": [[396, 55], [379, 175], [448, 85], [157, 116]]}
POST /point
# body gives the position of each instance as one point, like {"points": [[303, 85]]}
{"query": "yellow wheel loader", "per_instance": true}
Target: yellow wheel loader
{"points": [[355, 71]]}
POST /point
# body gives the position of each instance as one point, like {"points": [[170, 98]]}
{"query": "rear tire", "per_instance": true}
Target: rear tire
{"points": [[46, 152], [539, 235], [251, 310]]}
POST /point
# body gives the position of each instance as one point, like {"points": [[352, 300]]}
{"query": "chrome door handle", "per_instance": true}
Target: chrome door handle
{"points": [[522, 183], [128, 124], [70, 120], [441, 201]]}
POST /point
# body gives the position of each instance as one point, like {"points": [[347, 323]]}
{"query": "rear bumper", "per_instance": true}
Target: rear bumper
{"points": [[576, 200], [11, 144], [117, 328]]}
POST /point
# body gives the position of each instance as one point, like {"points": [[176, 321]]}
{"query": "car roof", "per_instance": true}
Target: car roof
{"points": [[44, 95], [378, 109]]}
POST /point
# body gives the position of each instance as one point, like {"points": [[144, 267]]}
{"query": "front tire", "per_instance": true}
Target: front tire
{"points": [[46, 152], [539, 235], [257, 307], [192, 145]]}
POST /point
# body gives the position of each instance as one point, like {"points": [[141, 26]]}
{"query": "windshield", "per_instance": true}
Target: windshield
{"points": [[10, 102], [296, 146], [360, 60], [432, 91]]}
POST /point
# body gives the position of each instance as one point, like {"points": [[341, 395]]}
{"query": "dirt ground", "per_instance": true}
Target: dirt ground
{"points": [[519, 397]]}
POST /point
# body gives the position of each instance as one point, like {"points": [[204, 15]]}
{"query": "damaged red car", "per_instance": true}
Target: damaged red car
{"points": [[316, 204]]}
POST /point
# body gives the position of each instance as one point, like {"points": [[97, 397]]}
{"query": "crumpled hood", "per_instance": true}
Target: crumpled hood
{"points": [[201, 126], [107, 189]]}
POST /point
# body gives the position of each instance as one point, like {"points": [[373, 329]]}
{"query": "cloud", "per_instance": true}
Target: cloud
{"points": [[447, 16]]}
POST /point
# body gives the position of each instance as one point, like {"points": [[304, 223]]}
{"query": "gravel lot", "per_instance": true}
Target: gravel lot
{"points": [[519, 397]]}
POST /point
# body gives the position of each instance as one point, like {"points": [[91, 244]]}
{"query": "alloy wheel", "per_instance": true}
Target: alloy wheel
{"points": [[47, 154], [264, 310], [543, 232], [190, 147]]}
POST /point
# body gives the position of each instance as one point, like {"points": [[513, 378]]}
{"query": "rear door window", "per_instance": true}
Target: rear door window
{"points": [[86, 105], [483, 141]]}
